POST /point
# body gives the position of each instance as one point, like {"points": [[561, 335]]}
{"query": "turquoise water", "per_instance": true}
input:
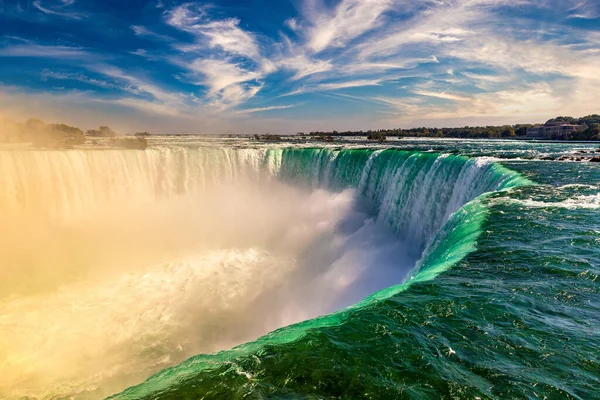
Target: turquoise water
{"points": [[504, 303]]}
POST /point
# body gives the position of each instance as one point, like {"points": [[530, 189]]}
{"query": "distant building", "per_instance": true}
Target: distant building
{"points": [[553, 131]]}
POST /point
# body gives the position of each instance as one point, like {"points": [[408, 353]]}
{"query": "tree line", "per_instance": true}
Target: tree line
{"points": [[61, 136], [591, 124]]}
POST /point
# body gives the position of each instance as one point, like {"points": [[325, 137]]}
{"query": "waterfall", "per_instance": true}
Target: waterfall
{"points": [[180, 251]]}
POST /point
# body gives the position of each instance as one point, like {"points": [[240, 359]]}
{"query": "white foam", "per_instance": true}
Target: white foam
{"points": [[582, 202]]}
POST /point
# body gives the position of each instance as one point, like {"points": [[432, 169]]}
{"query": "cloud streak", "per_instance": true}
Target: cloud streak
{"points": [[59, 10], [43, 51]]}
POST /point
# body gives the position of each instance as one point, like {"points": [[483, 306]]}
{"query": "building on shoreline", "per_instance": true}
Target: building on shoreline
{"points": [[553, 131]]}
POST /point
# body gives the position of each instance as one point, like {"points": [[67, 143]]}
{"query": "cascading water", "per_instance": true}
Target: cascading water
{"points": [[413, 193], [136, 244]]}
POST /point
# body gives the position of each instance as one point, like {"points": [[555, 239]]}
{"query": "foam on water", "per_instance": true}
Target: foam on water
{"points": [[583, 201]]}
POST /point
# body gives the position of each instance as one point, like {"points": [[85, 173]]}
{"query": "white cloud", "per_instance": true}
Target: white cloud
{"points": [[150, 107], [228, 36], [349, 20], [442, 95], [537, 101], [348, 84], [460, 51], [534, 57], [58, 11], [228, 84], [442, 25], [165, 98], [223, 34], [332, 86], [81, 77], [219, 74], [305, 66], [44, 51], [388, 64], [294, 92], [262, 109], [143, 31], [292, 23], [486, 78], [585, 9]]}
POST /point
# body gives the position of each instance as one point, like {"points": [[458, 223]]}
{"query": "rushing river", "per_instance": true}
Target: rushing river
{"points": [[232, 269]]}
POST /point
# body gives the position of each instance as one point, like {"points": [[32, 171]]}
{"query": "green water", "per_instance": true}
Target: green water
{"points": [[505, 302]]}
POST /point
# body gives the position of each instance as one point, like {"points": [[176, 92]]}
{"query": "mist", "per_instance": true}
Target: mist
{"points": [[98, 300]]}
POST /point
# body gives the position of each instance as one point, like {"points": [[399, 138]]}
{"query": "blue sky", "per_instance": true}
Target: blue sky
{"points": [[283, 66]]}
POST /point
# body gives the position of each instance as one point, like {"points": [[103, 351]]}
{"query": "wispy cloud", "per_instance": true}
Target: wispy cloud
{"points": [[143, 31], [486, 78], [230, 81], [389, 64], [347, 21], [332, 86], [151, 107], [222, 34], [348, 84], [59, 10], [43, 51], [304, 66], [81, 77], [454, 57], [228, 84], [442, 95], [136, 84], [263, 109], [585, 9]]}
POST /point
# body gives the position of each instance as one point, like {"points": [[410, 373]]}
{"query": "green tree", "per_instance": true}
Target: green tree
{"points": [[562, 120], [61, 135], [103, 131], [378, 136], [35, 125], [507, 131]]}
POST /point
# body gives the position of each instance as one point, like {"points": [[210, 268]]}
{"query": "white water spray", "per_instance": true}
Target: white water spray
{"points": [[116, 264]]}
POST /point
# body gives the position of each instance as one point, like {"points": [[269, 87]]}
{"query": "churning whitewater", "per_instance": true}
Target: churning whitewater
{"points": [[142, 259]]}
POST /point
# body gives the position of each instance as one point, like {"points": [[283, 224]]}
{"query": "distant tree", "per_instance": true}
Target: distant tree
{"points": [[59, 135], [562, 120], [378, 136], [271, 137], [507, 131], [142, 134], [521, 129], [103, 131], [35, 125], [589, 120], [591, 133]]}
